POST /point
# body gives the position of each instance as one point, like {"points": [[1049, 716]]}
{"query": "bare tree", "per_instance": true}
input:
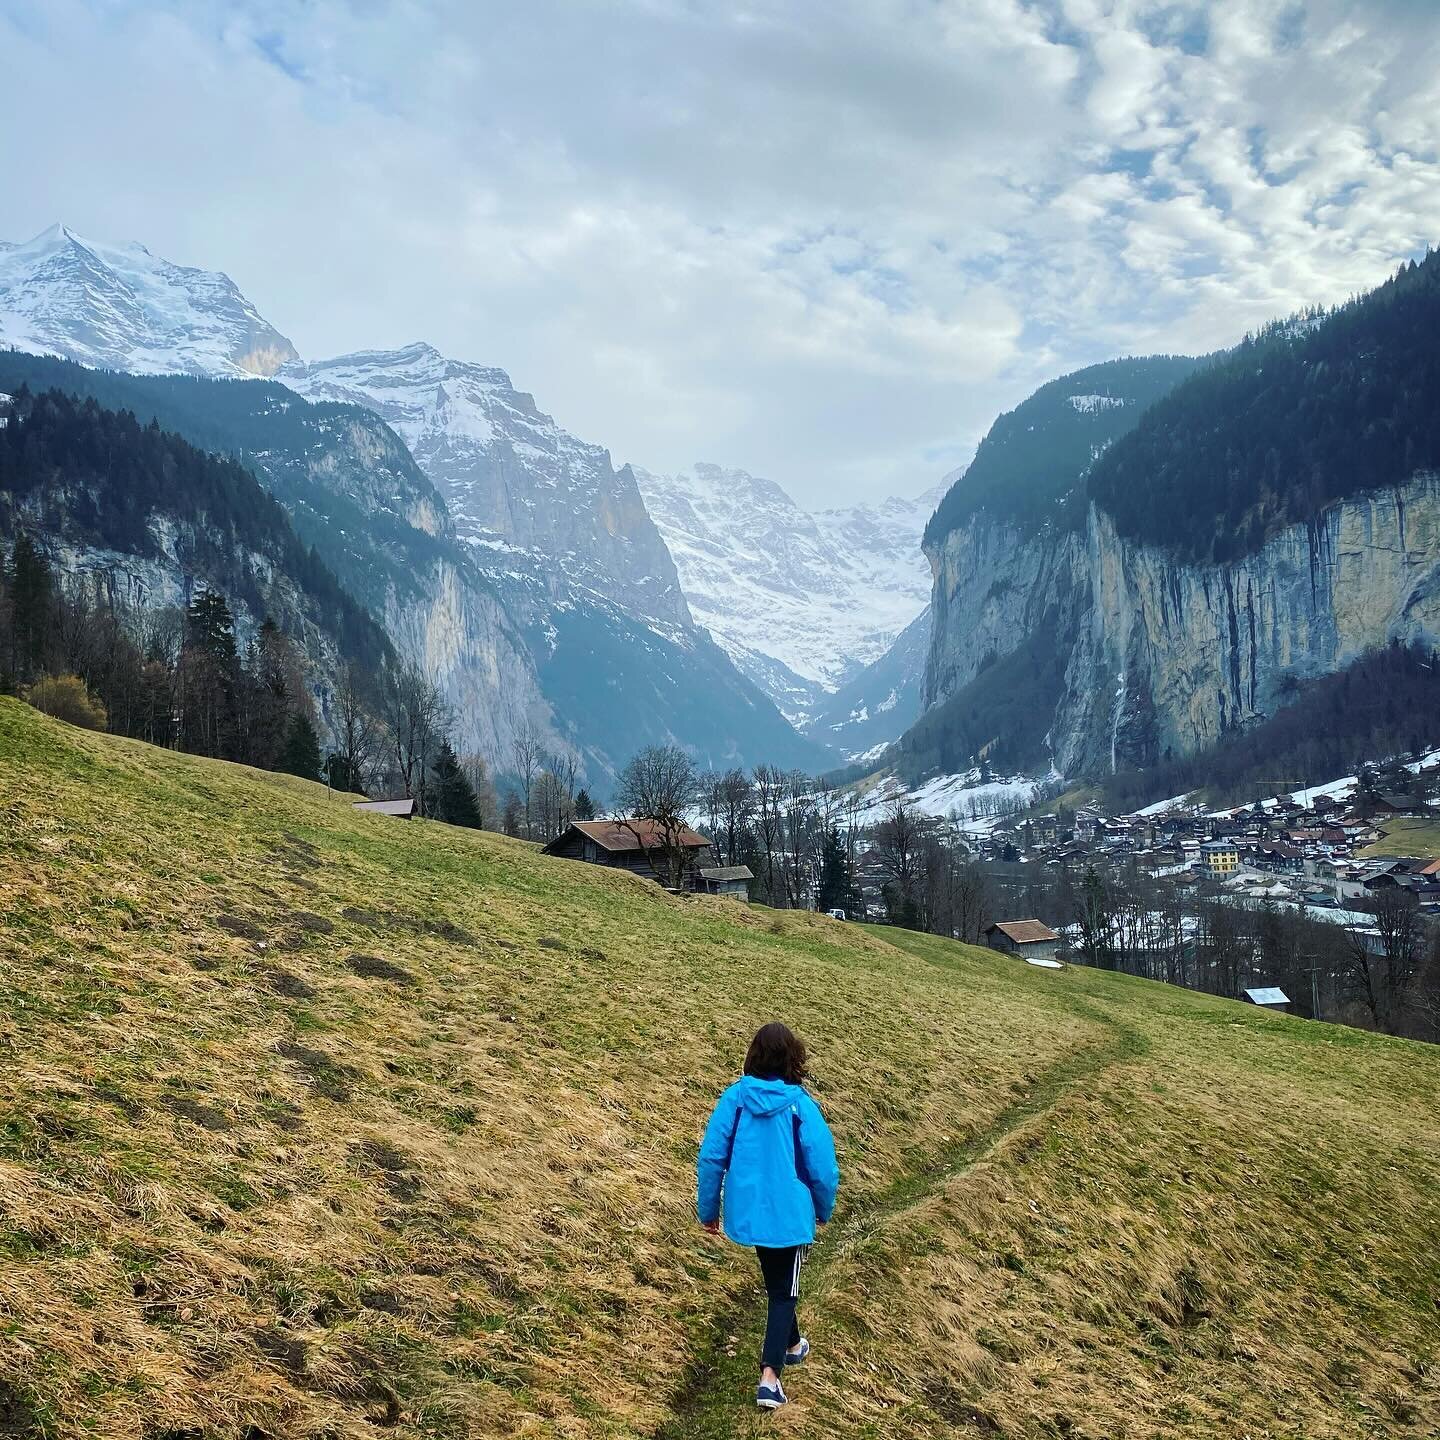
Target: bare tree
{"points": [[487, 802], [736, 805], [658, 786], [971, 903], [356, 732], [769, 821], [417, 717], [1402, 932], [525, 752], [801, 840], [898, 847], [550, 804]]}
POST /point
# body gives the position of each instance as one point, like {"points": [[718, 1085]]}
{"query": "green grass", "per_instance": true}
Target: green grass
{"points": [[243, 1184], [1407, 835]]}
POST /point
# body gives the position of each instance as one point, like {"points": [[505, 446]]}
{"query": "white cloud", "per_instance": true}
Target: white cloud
{"points": [[827, 251]]}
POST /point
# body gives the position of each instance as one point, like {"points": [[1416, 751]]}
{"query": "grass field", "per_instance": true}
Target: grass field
{"points": [[321, 1124], [1407, 835]]}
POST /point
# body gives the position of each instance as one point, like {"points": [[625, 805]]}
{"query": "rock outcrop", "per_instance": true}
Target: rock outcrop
{"points": [[1163, 657]]}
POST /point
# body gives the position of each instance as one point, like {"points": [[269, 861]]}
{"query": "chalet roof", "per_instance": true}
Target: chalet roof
{"points": [[620, 835], [402, 808], [726, 872], [1024, 932], [1431, 868]]}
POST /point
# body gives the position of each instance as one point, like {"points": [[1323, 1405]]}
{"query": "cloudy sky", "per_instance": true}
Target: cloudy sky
{"points": [[826, 242]]}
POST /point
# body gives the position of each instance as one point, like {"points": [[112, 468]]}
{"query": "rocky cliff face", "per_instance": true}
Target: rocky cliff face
{"points": [[993, 587], [523, 492], [1184, 653], [1163, 657]]}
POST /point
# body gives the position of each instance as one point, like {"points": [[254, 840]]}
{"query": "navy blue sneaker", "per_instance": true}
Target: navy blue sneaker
{"points": [[769, 1397], [796, 1357]]}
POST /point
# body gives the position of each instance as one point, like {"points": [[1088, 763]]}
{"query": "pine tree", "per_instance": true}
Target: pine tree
{"points": [[453, 798], [32, 599], [301, 755], [210, 626], [837, 890], [584, 805]]}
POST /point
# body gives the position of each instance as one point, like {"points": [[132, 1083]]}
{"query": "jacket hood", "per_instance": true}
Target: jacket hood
{"points": [[766, 1097]]}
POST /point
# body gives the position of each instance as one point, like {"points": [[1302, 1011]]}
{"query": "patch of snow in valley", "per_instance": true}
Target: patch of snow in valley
{"points": [[980, 804]]}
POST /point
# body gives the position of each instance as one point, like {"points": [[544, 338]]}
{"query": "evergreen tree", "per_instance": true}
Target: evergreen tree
{"points": [[32, 601], [584, 805], [452, 797], [209, 626], [209, 672], [837, 888], [343, 773], [301, 755]]}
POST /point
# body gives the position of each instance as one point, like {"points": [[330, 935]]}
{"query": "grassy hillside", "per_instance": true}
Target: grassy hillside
{"points": [[314, 1123], [1407, 835]]}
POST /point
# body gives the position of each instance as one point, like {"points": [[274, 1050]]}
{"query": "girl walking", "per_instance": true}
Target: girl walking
{"points": [[768, 1146]]}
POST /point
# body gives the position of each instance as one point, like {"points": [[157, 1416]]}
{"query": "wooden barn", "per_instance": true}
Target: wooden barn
{"points": [[628, 845], [1026, 938]]}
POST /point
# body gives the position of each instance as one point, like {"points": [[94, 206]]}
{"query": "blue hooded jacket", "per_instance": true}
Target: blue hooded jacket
{"points": [[773, 1196]]}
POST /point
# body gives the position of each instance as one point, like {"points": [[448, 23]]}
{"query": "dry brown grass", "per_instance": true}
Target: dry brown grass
{"points": [[318, 1124]]}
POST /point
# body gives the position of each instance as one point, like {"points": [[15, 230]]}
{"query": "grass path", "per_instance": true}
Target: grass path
{"points": [[713, 1399]]}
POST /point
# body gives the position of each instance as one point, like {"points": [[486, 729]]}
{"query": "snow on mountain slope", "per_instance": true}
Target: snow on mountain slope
{"points": [[533, 501], [881, 702], [801, 600], [120, 307]]}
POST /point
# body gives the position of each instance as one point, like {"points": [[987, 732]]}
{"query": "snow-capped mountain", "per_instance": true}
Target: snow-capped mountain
{"points": [[527, 495], [801, 600], [120, 307], [515, 565]]}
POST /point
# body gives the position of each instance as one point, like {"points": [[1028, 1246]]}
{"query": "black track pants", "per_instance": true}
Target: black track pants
{"points": [[781, 1269]]}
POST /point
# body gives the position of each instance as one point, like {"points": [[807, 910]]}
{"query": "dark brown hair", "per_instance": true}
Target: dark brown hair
{"points": [[777, 1053]]}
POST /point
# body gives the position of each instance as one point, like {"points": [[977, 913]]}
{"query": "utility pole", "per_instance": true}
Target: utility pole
{"points": [[1314, 992]]}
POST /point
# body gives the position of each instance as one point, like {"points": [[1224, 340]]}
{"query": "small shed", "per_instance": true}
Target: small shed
{"points": [[727, 880], [400, 809], [1027, 938], [1269, 997]]}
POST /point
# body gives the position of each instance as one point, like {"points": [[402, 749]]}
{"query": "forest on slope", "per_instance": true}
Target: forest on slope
{"points": [[1310, 410], [1031, 461]]}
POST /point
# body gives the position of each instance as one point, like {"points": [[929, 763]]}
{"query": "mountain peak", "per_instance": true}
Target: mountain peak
{"points": [[122, 308]]}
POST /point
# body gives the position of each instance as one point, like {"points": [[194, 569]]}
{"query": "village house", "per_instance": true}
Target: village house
{"points": [[633, 845], [1220, 858]]}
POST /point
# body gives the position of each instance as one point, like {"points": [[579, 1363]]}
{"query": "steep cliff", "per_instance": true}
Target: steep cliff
{"points": [[1172, 655], [1262, 523]]}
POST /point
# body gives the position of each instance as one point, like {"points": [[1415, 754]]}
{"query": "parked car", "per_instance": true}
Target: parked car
{"points": [[837, 914]]}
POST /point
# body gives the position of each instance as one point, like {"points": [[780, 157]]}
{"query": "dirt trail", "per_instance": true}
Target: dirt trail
{"points": [[713, 1400]]}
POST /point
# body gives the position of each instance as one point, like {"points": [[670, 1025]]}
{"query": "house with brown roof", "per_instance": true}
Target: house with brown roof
{"points": [[1027, 938], [634, 845]]}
